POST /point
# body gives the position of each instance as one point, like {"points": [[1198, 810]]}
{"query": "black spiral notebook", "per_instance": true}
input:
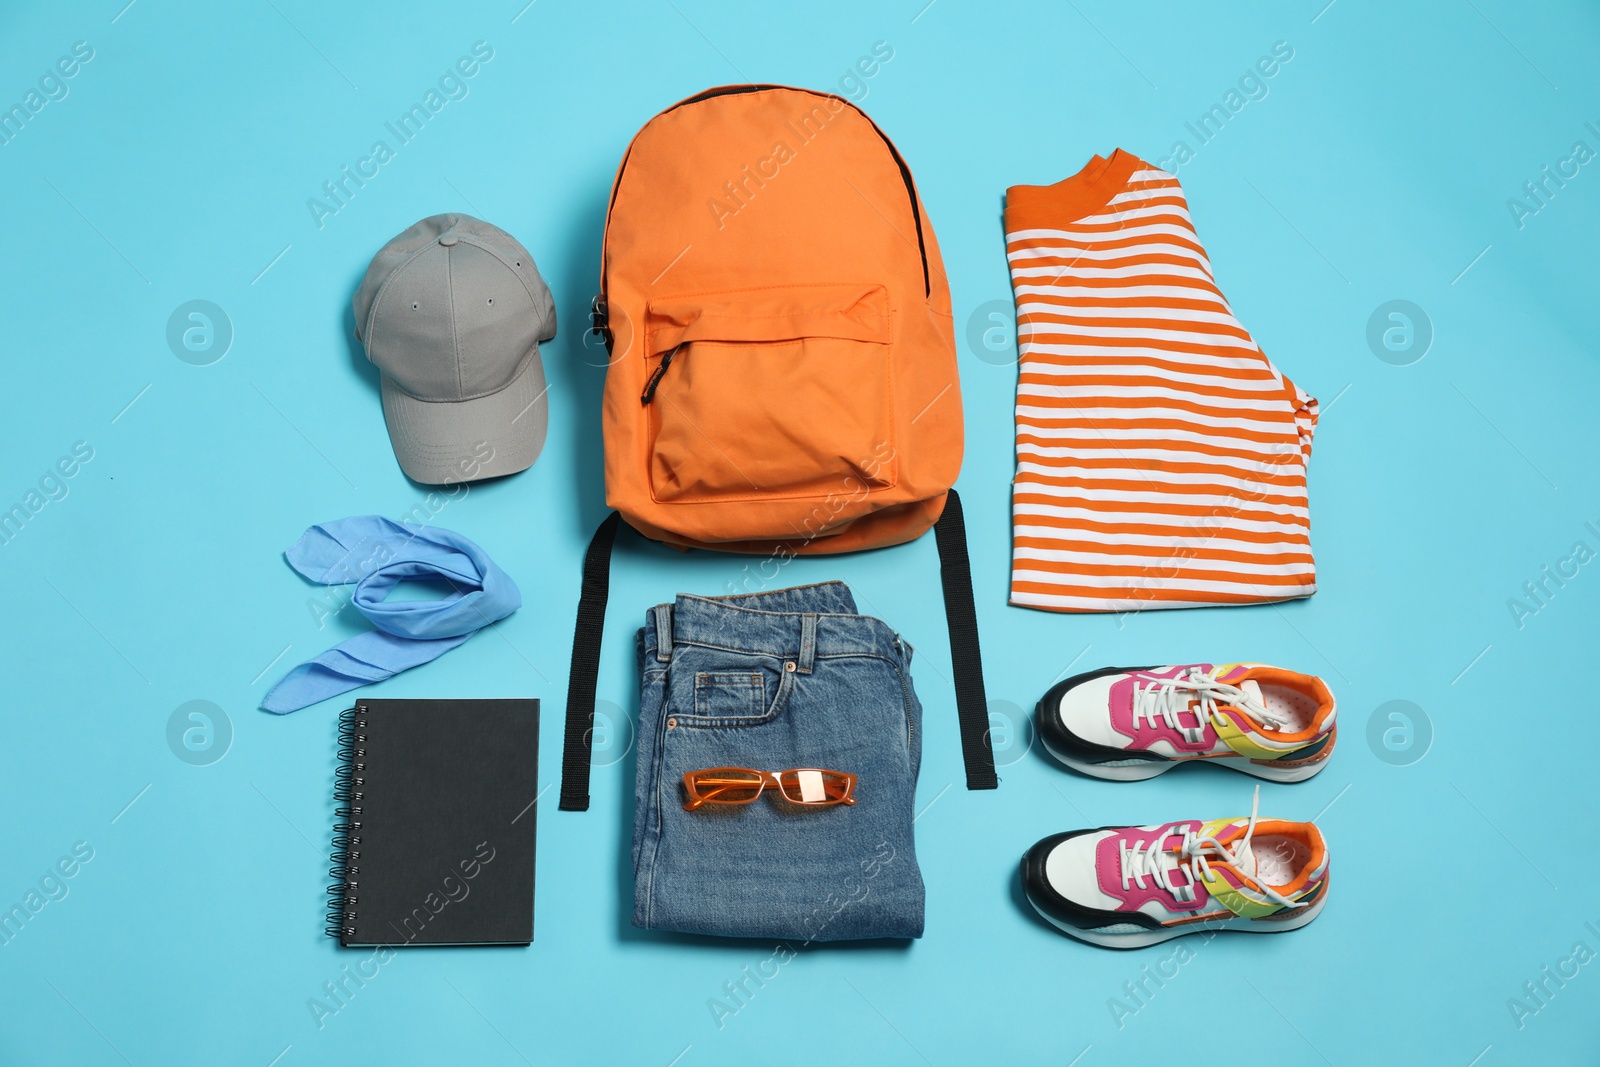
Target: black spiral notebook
{"points": [[435, 837]]}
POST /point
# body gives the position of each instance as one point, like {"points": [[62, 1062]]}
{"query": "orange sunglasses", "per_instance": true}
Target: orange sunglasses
{"points": [[808, 786]]}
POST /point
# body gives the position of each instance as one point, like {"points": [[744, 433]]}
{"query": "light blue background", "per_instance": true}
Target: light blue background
{"points": [[1378, 167]]}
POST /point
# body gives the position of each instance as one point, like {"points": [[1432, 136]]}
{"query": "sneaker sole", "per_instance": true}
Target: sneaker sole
{"points": [[1138, 770], [1144, 938]]}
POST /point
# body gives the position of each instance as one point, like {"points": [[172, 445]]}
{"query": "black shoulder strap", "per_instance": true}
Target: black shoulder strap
{"points": [[955, 572], [961, 615], [585, 672]]}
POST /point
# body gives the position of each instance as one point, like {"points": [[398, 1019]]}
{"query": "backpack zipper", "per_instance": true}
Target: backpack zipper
{"points": [[905, 171], [600, 311], [649, 393], [911, 195]]}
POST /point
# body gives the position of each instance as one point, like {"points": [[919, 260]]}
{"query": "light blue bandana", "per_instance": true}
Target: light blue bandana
{"points": [[377, 554]]}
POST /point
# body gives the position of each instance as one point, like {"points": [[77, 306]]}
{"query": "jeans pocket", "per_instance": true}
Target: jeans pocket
{"points": [[728, 695], [728, 689]]}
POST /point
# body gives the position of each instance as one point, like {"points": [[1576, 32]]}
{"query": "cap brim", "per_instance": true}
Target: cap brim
{"points": [[445, 442]]}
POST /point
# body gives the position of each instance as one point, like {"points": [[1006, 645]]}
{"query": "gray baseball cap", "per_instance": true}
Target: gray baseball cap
{"points": [[452, 312]]}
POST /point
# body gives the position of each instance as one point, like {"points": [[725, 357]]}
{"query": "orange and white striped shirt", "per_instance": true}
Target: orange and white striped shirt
{"points": [[1161, 457]]}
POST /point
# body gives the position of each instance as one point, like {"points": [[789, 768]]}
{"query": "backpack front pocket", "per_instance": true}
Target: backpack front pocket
{"points": [[777, 392]]}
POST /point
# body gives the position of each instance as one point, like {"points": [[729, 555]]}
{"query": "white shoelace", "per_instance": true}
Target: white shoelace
{"points": [[1150, 860], [1194, 693]]}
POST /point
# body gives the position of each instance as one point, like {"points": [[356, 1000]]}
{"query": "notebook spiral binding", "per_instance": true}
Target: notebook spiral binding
{"points": [[347, 796]]}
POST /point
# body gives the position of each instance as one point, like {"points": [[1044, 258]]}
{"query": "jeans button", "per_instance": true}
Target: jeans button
{"points": [[789, 665], [672, 724]]}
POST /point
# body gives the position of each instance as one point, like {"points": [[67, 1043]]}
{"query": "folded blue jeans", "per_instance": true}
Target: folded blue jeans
{"points": [[793, 678]]}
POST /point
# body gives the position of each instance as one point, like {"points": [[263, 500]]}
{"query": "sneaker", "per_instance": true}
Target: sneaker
{"points": [[1131, 886], [1131, 723]]}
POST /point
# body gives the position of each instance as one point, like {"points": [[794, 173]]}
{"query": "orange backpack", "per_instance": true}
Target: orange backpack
{"points": [[782, 378]]}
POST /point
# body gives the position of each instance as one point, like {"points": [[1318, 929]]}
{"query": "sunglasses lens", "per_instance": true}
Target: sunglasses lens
{"points": [[727, 785], [813, 786]]}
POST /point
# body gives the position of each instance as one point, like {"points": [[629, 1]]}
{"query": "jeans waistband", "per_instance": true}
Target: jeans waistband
{"points": [[799, 623]]}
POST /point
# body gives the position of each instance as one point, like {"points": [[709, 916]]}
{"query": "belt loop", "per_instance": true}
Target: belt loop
{"points": [[808, 642], [663, 633]]}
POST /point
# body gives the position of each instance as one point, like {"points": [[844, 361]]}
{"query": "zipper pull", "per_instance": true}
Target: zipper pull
{"points": [[649, 393]]}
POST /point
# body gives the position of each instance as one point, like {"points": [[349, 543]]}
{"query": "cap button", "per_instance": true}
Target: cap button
{"points": [[449, 239]]}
